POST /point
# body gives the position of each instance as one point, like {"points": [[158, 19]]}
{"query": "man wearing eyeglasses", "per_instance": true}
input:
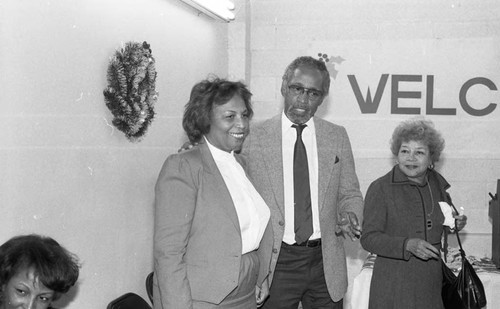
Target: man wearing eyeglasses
{"points": [[304, 169]]}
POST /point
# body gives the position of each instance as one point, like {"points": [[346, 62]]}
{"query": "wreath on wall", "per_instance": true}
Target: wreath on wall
{"points": [[131, 93]]}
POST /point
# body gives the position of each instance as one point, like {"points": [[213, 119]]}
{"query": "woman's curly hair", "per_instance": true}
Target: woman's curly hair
{"points": [[421, 130]]}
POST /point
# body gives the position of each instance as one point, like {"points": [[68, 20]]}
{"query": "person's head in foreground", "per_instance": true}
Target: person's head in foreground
{"points": [[35, 271]]}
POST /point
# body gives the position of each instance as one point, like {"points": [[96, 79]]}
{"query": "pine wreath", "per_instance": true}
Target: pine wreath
{"points": [[131, 93]]}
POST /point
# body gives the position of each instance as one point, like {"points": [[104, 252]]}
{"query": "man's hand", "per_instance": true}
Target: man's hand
{"points": [[348, 225], [187, 146]]}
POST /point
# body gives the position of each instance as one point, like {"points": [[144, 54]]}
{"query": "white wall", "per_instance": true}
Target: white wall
{"points": [[65, 172], [452, 40]]}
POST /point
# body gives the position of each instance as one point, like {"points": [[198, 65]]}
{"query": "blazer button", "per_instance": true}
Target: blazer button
{"points": [[275, 250], [281, 223]]}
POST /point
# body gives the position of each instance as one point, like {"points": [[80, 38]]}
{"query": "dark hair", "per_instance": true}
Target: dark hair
{"points": [[53, 265], [418, 129], [310, 62], [206, 94]]}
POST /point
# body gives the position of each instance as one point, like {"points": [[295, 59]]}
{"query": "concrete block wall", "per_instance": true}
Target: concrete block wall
{"points": [[277, 31]]}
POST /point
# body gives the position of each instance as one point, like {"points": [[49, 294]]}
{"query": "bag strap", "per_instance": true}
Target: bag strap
{"points": [[447, 197], [462, 252]]}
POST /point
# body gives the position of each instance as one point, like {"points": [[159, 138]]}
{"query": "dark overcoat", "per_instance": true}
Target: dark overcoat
{"points": [[397, 209]]}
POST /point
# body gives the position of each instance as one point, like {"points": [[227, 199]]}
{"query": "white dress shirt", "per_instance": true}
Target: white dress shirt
{"points": [[253, 213], [289, 136]]}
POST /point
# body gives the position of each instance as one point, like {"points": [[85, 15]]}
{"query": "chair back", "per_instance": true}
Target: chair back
{"points": [[149, 286], [494, 213], [129, 301]]}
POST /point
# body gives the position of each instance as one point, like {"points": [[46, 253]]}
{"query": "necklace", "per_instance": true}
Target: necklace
{"points": [[429, 220]]}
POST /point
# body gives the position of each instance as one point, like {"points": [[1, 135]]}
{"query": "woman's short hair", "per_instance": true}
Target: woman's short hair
{"points": [[52, 264], [421, 130], [206, 94], [306, 61]]}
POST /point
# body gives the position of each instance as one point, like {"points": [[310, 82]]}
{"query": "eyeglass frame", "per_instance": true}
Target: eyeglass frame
{"points": [[299, 90]]}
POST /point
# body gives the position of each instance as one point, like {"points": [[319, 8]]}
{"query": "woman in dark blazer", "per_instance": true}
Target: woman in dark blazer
{"points": [[403, 222], [212, 243]]}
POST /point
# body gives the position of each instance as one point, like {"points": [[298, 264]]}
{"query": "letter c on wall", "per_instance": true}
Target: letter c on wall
{"points": [[463, 96]]}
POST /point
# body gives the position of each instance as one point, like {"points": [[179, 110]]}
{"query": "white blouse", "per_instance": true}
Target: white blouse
{"points": [[253, 213]]}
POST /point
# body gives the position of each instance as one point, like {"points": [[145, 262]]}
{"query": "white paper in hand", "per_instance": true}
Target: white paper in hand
{"points": [[448, 214]]}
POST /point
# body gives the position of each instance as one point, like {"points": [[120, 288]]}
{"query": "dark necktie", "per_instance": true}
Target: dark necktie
{"points": [[301, 190]]}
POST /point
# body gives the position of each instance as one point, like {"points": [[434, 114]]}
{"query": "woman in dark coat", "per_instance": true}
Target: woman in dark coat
{"points": [[403, 222]]}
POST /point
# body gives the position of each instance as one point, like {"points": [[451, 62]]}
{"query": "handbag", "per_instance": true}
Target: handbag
{"points": [[465, 290], [449, 292]]}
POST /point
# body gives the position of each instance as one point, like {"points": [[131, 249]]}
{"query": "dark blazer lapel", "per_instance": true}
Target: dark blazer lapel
{"points": [[272, 153], [325, 141], [217, 184]]}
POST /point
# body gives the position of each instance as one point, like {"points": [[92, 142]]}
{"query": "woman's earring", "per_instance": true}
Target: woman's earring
{"points": [[431, 167]]}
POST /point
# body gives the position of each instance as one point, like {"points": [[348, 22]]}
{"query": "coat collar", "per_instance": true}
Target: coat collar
{"points": [[327, 142], [216, 183], [272, 148], [208, 160], [398, 177], [270, 139]]}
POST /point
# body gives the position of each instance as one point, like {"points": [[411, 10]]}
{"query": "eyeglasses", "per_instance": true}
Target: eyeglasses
{"points": [[312, 94]]}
